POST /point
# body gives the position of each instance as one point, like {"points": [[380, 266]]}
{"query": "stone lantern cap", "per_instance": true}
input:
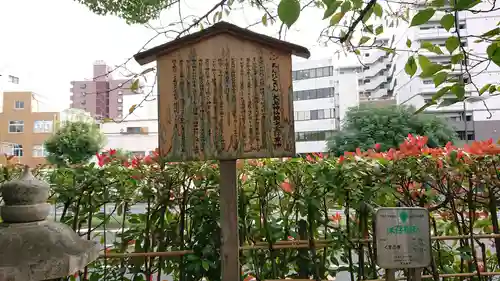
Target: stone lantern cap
{"points": [[32, 247]]}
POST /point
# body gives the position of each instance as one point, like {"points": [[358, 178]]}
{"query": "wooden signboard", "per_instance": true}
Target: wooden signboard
{"points": [[225, 93]]}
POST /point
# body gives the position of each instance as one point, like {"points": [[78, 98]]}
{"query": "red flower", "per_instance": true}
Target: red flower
{"points": [[243, 178], [286, 186], [336, 218], [309, 158], [148, 160], [102, 159], [377, 146], [341, 159]]}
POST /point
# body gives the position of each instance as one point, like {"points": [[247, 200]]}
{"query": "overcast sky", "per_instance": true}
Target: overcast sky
{"points": [[49, 43]]}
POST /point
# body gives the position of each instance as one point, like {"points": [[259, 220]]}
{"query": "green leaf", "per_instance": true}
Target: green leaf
{"points": [[428, 68], [411, 66], [458, 90], [447, 21], [447, 102], [421, 109], [424, 62], [377, 10], [387, 50], [492, 89], [456, 59], [367, 16], [132, 108], [205, 265], [464, 4], [408, 43], [289, 11], [264, 20], [439, 78], [135, 85], [452, 43], [491, 33], [493, 52], [422, 17], [431, 47], [336, 18], [379, 30], [346, 7], [363, 40], [439, 94], [357, 4], [437, 3], [484, 89], [332, 8]]}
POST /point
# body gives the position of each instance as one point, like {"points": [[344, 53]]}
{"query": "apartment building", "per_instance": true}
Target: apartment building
{"points": [[138, 133], [471, 120], [101, 95], [24, 129], [316, 103]]}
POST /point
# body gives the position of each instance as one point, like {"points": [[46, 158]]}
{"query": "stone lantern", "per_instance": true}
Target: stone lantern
{"points": [[33, 248]]}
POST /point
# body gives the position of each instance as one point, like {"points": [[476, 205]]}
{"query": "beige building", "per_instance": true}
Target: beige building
{"points": [[24, 129]]}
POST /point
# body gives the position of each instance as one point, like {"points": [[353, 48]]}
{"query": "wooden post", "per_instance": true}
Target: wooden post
{"points": [[415, 274], [229, 221], [390, 275]]}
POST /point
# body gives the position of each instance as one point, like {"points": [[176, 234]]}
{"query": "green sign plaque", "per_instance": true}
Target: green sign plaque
{"points": [[403, 237]]}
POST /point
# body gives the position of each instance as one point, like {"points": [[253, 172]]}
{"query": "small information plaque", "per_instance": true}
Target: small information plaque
{"points": [[403, 238]]}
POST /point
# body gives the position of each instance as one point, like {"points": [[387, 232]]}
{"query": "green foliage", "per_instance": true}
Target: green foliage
{"points": [[350, 22], [422, 17], [74, 143], [289, 11], [388, 126], [132, 11], [311, 200]]}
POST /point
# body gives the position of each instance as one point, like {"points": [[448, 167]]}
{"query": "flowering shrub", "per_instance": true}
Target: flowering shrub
{"points": [[315, 199]]}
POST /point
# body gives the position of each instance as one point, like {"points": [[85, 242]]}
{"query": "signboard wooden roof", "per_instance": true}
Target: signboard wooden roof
{"points": [[216, 29], [225, 93]]}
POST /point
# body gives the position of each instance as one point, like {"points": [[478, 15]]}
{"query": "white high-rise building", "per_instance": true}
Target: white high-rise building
{"points": [[476, 123], [315, 103]]}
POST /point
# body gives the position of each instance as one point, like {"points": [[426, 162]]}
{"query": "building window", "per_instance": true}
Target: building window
{"points": [[328, 113], [43, 126], [17, 150], [136, 130], [313, 94], [19, 104], [16, 126], [13, 79], [314, 136], [39, 151], [470, 135], [312, 73], [139, 154], [133, 130]]}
